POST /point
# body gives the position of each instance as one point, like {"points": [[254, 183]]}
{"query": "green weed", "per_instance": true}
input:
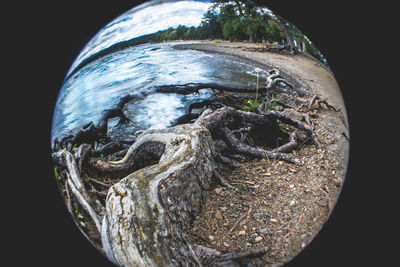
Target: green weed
{"points": [[242, 188], [252, 105]]}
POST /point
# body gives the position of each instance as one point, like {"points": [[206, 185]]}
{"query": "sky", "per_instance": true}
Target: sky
{"points": [[142, 20]]}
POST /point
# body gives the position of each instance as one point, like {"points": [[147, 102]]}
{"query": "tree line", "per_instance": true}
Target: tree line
{"points": [[242, 21]]}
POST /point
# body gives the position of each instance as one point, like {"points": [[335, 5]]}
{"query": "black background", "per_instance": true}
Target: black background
{"points": [[55, 32]]}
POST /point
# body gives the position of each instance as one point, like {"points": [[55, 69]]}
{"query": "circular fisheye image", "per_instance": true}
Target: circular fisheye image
{"points": [[200, 133]]}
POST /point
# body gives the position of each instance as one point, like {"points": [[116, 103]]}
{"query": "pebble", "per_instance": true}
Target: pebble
{"points": [[291, 186], [337, 182], [222, 208], [273, 220], [218, 215], [218, 190], [263, 230], [258, 239], [242, 232], [226, 244], [211, 237], [257, 215]]}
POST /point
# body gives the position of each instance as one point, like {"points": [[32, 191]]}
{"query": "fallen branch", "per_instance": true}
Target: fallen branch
{"points": [[238, 221], [241, 254]]}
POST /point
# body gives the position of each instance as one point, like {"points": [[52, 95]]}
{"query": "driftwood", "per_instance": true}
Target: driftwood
{"points": [[159, 185]]}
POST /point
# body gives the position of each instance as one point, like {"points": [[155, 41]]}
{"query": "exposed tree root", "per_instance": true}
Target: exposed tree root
{"points": [[240, 147], [161, 181], [75, 184]]}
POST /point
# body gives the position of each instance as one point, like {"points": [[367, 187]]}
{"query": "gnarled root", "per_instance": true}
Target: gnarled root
{"points": [[76, 185], [148, 213], [221, 121]]}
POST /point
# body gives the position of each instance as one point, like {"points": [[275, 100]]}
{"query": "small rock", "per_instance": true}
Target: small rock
{"points": [[242, 232], [257, 215], [218, 215], [258, 239], [222, 208], [211, 237], [263, 230], [273, 220], [291, 186], [268, 174], [226, 244], [218, 190], [337, 182]]}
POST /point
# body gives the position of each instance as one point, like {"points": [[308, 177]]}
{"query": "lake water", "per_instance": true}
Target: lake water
{"points": [[100, 84]]}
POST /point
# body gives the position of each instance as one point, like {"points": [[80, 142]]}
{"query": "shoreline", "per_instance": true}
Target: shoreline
{"points": [[312, 74]]}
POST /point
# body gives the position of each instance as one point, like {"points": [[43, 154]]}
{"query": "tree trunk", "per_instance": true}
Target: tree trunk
{"points": [[149, 212], [288, 36], [251, 38]]}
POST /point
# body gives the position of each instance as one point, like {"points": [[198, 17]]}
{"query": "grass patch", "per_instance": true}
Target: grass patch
{"points": [[252, 105], [242, 188]]}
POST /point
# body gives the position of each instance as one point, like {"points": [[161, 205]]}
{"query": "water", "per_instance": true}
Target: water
{"points": [[100, 84]]}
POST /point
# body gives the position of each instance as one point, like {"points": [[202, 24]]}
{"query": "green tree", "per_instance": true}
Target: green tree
{"points": [[180, 31], [211, 25]]}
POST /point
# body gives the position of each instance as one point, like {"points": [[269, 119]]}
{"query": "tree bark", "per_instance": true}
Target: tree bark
{"points": [[288, 36], [149, 212]]}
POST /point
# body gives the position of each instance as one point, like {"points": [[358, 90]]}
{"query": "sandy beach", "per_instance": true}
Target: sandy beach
{"points": [[310, 72]]}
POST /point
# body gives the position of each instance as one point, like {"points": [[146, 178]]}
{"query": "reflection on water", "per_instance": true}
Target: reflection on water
{"points": [[100, 84]]}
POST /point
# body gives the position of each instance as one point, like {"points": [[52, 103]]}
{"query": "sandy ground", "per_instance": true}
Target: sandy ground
{"points": [[286, 205], [310, 72]]}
